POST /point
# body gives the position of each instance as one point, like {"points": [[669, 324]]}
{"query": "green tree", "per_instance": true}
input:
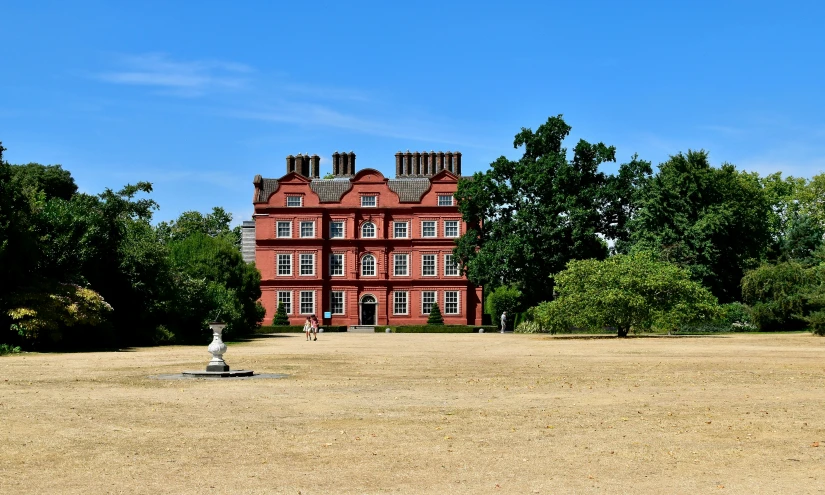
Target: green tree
{"points": [[505, 298], [280, 317], [435, 317], [780, 295], [52, 180], [628, 292], [699, 217], [214, 224], [529, 217]]}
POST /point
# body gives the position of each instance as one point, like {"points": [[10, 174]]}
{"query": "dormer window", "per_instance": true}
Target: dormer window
{"points": [[294, 201], [369, 201], [445, 200]]}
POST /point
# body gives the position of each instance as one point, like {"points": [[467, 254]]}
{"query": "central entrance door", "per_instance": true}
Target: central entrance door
{"points": [[368, 310]]}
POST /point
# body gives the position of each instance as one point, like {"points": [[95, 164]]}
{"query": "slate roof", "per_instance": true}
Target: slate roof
{"points": [[268, 187], [330, 190], [409, 190]]}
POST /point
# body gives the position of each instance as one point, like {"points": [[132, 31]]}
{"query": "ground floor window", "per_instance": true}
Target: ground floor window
{"points": [[307, 302], [285, 300], [451, 302], [400, 303], [427, 300], [337, 303]]}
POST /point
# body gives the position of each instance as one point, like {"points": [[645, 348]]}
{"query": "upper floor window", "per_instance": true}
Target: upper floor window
{"points": [[336, 230], [294, 200], [284, 229], [428, 264], [336, 264], [307, 264], [284, 264], [400, 264], [445, 200], [450, 266], [400, 230], [368, 230], [451, 228], [428, 229], [307, 229], [368, 265], [369, 201]]}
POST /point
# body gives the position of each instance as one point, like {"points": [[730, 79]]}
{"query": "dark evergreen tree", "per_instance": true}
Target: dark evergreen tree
{"points": [[435, 317], [280, 316]]}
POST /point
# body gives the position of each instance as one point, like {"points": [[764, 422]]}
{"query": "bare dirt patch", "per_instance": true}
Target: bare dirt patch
{"points": [[413, 413]]}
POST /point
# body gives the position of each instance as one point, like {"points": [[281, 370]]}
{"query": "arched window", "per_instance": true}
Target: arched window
{"points": [[368, 266], [368, 229]]}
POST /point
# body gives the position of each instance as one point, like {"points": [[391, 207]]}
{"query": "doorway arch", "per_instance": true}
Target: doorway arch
{"points": [[368, 311]]}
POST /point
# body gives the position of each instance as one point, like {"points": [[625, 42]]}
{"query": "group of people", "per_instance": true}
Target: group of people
{"points": [[311, 326]]}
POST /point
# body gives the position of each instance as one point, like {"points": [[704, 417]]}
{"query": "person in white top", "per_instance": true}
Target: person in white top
{"points": [[503, 321]]}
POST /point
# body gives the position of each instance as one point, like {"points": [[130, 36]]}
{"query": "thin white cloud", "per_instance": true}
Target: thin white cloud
{"points": [[181, 78]]}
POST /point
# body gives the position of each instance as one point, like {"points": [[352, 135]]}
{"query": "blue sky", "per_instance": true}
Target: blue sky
{"points": [[197, 100]]}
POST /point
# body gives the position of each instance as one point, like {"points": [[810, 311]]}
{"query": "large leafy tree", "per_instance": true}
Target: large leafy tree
{"points": [[629, 292], [529, 217], [716, 222]]}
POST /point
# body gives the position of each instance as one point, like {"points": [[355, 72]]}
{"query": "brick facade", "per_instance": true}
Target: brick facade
{"points": [[368, 249]]}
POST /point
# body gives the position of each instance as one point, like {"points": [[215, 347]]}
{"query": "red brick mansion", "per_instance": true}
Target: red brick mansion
{"points": [[362, 249]]}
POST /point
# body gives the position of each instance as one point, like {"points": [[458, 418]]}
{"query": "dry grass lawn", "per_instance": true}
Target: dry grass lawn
{"points": [[412, 413]]}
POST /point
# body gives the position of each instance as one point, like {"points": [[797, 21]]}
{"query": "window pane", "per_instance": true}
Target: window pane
{"points": [[337, 303], [445, 201], [368, 200], [400, 230], [307, 229], [293, 200], [451, 302], [307, 302], [450, 267], [427, 300], [400, 303], [400, 265], [428, 264], [451, 228], [285, 300], [427, 229], [368, 230], [284, 264], [284, 229], [336, 264], [336, 230], [307, 264], [368, 265]]}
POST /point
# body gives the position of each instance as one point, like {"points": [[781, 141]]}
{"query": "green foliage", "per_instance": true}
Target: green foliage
{"points": [[504, 298], [779, 295], [435, 317], [8, 349], [45, 315], [697, 216], [816, 321], [280, 317], [51, 180], [435, 328], [528, 326], [628, 292], [215, 224], [529, 217]]}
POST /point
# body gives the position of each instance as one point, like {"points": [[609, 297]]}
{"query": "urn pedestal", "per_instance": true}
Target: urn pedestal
{"points": [[217, 348]]}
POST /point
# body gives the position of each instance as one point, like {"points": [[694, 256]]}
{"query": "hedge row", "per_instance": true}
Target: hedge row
{"points": [[296, 329]]}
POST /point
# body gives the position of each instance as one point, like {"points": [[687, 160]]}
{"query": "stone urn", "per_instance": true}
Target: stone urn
{"points": [[217, 348]]}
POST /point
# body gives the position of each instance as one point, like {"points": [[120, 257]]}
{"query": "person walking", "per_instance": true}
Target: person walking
{"points": [[308, 326], [314, 321], [503, 321]]}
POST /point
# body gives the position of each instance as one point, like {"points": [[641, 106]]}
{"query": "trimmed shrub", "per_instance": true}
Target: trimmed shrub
{"points": [[435, 328], [816, 321], [280, 317], [435, 317], [8, 349]]}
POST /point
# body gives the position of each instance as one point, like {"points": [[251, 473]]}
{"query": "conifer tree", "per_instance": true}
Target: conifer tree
{"points": [[435, 317], [280, 316]]}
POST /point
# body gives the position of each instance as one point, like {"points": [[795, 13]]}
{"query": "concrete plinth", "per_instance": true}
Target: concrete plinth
{"points": [[219, 374]]}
